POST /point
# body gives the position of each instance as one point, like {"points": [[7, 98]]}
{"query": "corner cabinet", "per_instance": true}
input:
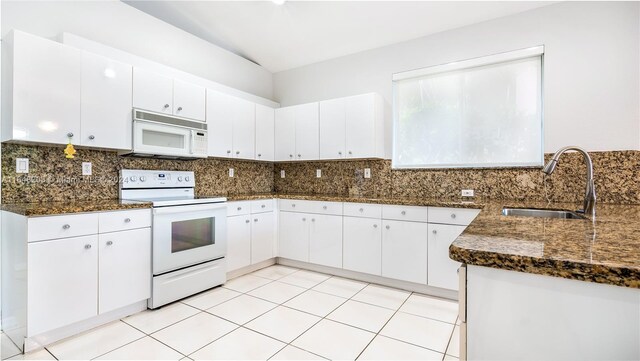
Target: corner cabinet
{"points": [[100, 263]]}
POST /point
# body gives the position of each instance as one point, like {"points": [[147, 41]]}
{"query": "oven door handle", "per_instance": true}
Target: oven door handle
{"points": [[189, 208]]}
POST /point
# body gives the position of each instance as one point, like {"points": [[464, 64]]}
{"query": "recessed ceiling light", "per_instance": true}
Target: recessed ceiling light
{"points": [[278, 2]]}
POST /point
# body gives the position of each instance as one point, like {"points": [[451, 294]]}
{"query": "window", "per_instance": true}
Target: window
{"points": [[479, 113]]}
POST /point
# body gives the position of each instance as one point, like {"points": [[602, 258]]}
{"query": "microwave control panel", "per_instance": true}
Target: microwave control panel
{"points": [[200, 142]]}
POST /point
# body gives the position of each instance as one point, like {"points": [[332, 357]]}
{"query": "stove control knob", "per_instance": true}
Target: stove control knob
{"points": [[133, 178], [142, 179], [186, 179], [179, 179]]}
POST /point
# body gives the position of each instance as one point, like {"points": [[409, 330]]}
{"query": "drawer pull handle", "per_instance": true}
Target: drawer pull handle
{"points": [[313, 219], [403, 213], [255, 219], [387, 227], [304, 219], [246, 221], [453, 215], [293, 205], [239, 208], [375, 226], [109, 243], [179, 109], [434, 232], [263, 206], [361, 210], [87, 246], [66, 226], [324, 207], [127, 220]]}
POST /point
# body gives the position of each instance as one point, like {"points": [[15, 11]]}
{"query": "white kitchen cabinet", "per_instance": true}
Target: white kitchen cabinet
{"points": [[307, 131], [40, 89], [262, 237], [220, 114], [285, 134], [124, 268], [189, 100], [265, 133], [325, 240], [62, 282], [105, 107], [362, 245], [364, 136], [152, 91], [294, 236], [332, 128], [404, 251], [238, 242], [442, 270], [244, 129]]}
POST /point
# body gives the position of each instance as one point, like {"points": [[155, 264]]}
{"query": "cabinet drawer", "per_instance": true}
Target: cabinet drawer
{"points": [[124, 220], [262, 205], [459, 216], [41, 228], [238, 208], [363, 210], [293, 205], [405, 213]]}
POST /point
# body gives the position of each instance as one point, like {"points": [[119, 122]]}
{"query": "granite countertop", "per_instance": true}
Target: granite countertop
{"points": [[57, 208], [606, 250], [434, 202]]}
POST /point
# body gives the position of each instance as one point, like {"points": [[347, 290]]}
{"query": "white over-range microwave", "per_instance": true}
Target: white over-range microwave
{"points": [[164, 136]]}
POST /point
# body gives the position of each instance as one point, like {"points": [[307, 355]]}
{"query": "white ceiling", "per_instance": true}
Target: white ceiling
{"points": [[298, 33]]}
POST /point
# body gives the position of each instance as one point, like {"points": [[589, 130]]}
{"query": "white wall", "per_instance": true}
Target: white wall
{"points": [[121, 26], [592, 73]]}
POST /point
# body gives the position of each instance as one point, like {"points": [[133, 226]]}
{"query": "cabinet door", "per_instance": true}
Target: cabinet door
{"points": [[265, 132], [189, 100], [285, 134], [105, 107], [360, 126], [238, 242], [325, 240], [307, 132], [443, 271], [262, 237], [244, 129], [362, 245], [332, 129], [404, 251], [152, 91], [220, 113], [294, 236], [46, 90], [62, 282], [124, 268]]}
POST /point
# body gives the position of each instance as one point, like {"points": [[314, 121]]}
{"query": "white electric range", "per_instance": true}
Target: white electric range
{"points": [[189, 233]]}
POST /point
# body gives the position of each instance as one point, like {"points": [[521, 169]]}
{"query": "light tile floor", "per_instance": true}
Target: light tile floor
{"points": [[276, 313]]}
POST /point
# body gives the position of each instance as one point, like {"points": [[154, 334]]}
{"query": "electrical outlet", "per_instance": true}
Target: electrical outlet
{"points": [[231, 172], [318, 173], [22, 165], [367, 172], [467, 192], [282, 173], [86, 168]]}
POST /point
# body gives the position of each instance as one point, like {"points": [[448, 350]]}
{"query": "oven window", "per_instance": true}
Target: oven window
{"points": [[192, 234]]}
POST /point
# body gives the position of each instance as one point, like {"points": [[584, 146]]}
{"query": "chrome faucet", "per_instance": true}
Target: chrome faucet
{"points": [[590, 193]]}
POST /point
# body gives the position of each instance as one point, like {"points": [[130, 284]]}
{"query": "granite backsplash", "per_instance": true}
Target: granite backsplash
{"points": [[55, 178]]}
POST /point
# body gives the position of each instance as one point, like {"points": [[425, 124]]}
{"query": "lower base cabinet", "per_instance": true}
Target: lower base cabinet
{"points": [[238, 242], [404, 251], [325, 240], [62, 282], [262, 235], [362, 245], [294, 236], [442, 269], [251, 234]]}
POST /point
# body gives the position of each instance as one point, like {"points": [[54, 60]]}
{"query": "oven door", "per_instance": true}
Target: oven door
{"points": [[187, 235], [161, 139]]}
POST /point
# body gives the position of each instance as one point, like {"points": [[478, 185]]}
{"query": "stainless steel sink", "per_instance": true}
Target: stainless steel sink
{"points": [[542, 213]]}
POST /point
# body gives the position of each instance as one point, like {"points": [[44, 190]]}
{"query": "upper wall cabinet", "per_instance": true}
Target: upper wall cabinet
{"points": [[161, 94], [296, 132], [244, 129], [40, 89], [352, 127], [220, 114], [105, 124], [265, 117]]}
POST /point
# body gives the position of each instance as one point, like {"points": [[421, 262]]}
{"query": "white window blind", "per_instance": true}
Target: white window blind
{"points": [[484, 112]]}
